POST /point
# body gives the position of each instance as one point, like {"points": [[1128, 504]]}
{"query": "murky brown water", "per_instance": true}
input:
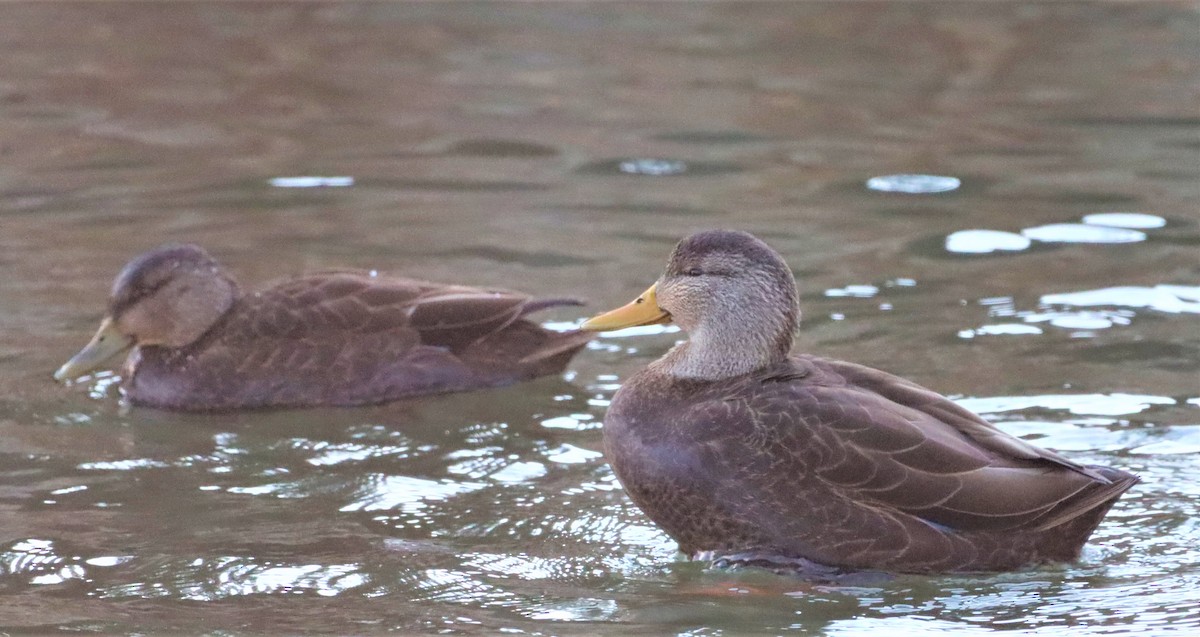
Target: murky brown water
{"points": [[562, 149]]}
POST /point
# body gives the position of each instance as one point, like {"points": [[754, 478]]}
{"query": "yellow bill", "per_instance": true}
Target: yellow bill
{"points": [[107, 343], [644, 310]]}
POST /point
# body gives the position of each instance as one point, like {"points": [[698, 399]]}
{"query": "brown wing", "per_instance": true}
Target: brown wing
{"points": [[347, 338], [904, 392], [327, 305], [866, 442]]}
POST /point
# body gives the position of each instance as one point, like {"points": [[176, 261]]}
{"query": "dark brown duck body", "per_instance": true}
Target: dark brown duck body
{"points": [[826, 461], [334, 338]]}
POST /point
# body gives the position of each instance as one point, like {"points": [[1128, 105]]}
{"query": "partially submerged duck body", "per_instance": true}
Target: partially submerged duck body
{"points": [[334, 338], [733, 445]]}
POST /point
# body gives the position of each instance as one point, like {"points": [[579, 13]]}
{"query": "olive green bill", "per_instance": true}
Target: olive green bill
{"points": [[107, 343]]}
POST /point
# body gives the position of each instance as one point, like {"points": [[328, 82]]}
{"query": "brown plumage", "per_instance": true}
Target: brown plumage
{"points": [[330, 338], [733, 445]]}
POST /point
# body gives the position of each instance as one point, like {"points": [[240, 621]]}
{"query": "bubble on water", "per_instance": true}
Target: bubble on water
{"points": [[1125, 220], [310, 181], [914, 184], [652, 167], [985, 241], [1082, 233]]}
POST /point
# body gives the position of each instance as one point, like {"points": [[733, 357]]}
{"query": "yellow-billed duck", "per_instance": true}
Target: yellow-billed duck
{"points": [[331, 338], [733, 445]]}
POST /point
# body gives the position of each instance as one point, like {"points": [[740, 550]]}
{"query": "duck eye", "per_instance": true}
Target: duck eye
{"points": [[694, 272]]}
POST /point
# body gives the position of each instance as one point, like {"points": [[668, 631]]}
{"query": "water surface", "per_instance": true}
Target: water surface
{"points": [[562, 149]]}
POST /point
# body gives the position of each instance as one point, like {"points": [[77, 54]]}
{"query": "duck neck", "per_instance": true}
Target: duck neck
{"points": [[716, 354]]}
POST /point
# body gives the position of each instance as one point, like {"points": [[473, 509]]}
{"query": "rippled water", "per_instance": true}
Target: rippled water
{"points": [[562, 149]]}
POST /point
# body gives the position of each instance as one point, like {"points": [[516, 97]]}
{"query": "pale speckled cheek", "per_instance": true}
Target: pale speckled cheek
{"points": [[684, 299]]}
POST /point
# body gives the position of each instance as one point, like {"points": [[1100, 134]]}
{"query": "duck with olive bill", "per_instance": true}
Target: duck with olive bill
{"points": [[337, 338], [735, 446]]}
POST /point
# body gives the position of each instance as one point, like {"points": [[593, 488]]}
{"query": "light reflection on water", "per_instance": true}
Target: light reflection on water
{"points": [[1170, 299], [1079, 404], [1082, 233], [1125, 220], [452, 144], [1099, 228]]}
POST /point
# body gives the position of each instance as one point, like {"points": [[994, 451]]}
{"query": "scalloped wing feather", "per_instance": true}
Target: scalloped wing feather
{"points": [[321, 305], [352, 338], [904, 392], [858, 439]]}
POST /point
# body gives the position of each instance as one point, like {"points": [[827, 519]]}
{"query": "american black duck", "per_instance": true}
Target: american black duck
{"points": [[330, 338], [735, 446]]}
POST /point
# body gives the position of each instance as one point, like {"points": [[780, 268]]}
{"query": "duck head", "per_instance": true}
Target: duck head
{"points": [[734, 296], [167, 297]]}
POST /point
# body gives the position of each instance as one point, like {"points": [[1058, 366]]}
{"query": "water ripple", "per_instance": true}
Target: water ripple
{"points": [[1082, 233], [998, 329], [334, 454], [311, 182], [1168, 299], [405, 493], [914, 184], [657, 167], [575, 422], [570, 454], [1116, 404], [39, 561], [652, 167], [1171, 299], [1125, 220], [216, 578], [985, 242], [861, 291], [1098, 228]]}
